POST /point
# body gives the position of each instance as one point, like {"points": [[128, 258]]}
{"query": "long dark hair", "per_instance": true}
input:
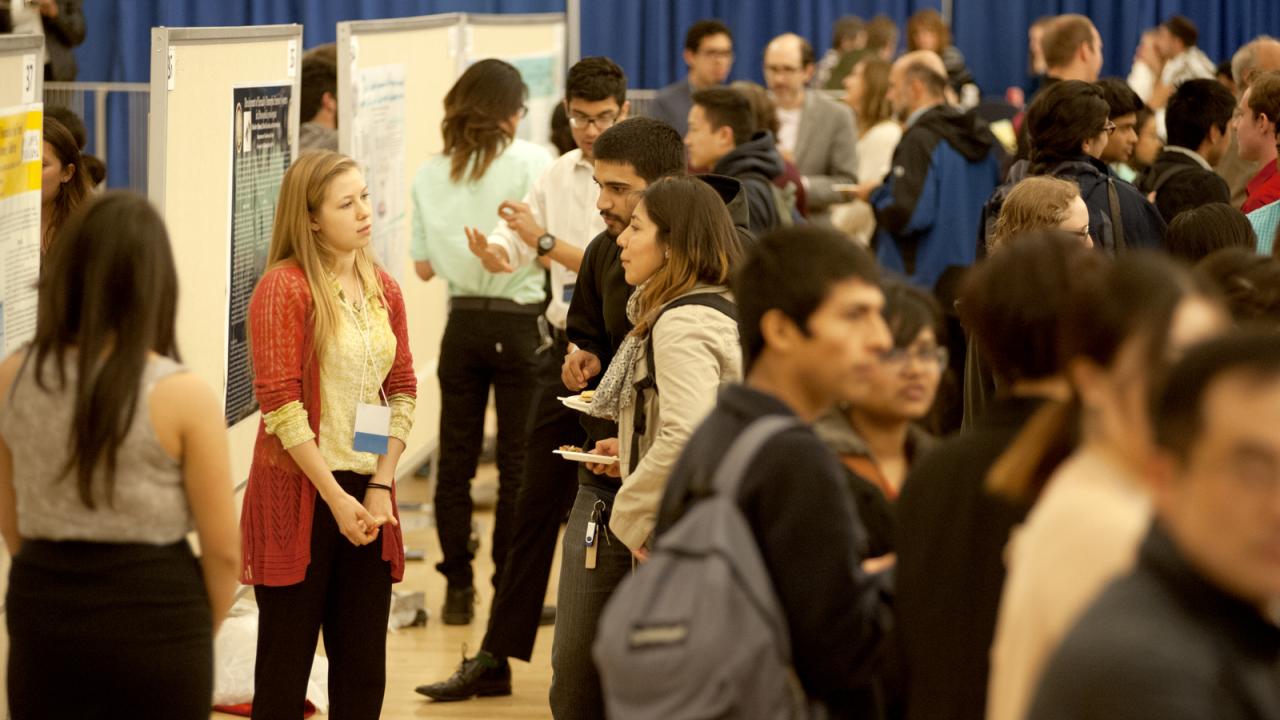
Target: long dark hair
{"points": [[486, 95], [1134, 296], [1060, 119], [109, 292], [693, 221], [72, 192]]}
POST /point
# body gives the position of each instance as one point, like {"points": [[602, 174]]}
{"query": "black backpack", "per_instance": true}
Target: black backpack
{"points": [[649, 383]]}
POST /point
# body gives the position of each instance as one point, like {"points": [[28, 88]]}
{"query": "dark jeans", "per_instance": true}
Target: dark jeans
{"points": [[347, 594], [575, 683], [546, 494], [481, 349]]}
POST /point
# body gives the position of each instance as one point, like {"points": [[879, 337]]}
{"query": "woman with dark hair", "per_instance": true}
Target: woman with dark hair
{"points": [[561, 133], [64, 184], [1068, 128], [879, 433], [1119, 332], [1250, 284], [951, 531], [110, 452], [926, 30], [491, 337], [1194, 234], [678, 253]]}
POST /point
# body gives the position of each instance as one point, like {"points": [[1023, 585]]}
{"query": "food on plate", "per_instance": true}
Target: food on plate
{"points": [[587, 395]]}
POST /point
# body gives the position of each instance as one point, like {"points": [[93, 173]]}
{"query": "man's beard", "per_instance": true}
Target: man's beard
{"points": [[608, 216]]}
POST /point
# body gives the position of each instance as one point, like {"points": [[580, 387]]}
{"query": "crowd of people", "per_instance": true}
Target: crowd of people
{"points": [[953, 416]]}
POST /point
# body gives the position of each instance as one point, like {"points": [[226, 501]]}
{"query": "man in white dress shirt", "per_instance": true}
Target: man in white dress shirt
{"points": [[553, 223]]}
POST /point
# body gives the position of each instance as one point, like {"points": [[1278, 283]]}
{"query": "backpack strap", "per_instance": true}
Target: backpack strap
{"points": [[1168, 174], [650, 381], [708, 299], [734, 463], [1117, 221]]}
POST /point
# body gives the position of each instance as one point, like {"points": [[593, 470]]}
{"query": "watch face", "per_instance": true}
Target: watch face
{"points": [[546, 242]]}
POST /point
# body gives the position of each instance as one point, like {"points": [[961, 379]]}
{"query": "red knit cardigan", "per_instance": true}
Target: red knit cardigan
{"points": [[275, 524]]}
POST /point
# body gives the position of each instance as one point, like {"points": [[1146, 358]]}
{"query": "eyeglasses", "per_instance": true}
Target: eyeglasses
{"points": [[602, 123], [717, 54], [1109, 128], [930, 357]]}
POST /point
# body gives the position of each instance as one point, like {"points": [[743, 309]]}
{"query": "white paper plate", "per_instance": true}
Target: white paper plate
{"points": [[583, 457], [575, 402]]}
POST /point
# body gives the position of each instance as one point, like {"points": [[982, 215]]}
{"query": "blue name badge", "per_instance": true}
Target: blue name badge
{"points": [[373, 428]]}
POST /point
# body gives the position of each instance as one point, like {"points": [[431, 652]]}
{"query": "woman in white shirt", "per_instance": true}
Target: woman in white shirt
{"points": [[867, 92], [1123, 326]]}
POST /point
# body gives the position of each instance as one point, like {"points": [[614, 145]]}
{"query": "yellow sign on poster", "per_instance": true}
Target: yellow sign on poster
{"points": [[21, 144], [21, 141]]}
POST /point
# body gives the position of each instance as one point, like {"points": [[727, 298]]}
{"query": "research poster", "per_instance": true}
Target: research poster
{"points": [[21, 143], [378, 145], [260, 154], [543, 76]]}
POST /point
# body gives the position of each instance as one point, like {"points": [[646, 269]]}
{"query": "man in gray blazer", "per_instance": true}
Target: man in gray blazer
{"points": [[815, 132]]}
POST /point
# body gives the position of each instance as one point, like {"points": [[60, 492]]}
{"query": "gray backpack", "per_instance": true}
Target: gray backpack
{"points": [[697, 631]]}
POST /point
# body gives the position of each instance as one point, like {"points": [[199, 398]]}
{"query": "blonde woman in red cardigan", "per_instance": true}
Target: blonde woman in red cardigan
{"points": [[334, 377]]}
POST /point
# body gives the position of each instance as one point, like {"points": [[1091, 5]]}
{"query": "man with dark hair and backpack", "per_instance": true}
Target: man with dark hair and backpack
{"points": [[1196, 123], [723, 139], [811, 329]]}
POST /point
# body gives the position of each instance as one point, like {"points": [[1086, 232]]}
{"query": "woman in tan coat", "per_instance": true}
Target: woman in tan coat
{"points": [[678, 252]]}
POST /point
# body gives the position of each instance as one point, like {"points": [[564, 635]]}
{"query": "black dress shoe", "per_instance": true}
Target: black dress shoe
{"points": [[480, 676], [459, 606]]}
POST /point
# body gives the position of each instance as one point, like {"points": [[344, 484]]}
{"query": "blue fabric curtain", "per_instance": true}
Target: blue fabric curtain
{"points": [[646, 37], [993, 35], [119, 37]]}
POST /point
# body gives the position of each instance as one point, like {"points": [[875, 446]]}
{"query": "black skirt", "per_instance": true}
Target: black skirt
{"points": [[102, 630]]}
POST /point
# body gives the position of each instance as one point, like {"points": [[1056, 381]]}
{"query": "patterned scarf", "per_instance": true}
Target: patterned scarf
{"points": [[616, 391]]}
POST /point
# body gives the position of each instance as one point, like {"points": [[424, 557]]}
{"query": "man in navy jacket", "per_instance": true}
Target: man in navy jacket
{"points": [[945, 167]]}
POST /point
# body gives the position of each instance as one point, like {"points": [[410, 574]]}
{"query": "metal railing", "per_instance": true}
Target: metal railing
{"points": [[115, 114]]}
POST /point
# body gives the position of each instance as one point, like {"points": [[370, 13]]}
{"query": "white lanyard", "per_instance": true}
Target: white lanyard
{"points": [[367, 361]]}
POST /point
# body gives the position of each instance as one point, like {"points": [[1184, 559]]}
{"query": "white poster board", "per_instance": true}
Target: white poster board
{"points": [[194, 74]]}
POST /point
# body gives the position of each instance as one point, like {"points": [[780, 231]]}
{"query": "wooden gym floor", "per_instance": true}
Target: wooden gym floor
{"points": [[417, 655]]}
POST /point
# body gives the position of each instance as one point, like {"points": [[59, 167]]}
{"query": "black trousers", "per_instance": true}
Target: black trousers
{"points": [[481, 349], [347, 594], [99, 630], [546, 494]]}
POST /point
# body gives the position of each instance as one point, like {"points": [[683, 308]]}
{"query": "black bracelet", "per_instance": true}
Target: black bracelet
{"points": [[378, 486]]}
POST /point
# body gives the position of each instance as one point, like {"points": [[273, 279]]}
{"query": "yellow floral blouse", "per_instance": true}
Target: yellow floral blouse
{"points": [[344, 367]]}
